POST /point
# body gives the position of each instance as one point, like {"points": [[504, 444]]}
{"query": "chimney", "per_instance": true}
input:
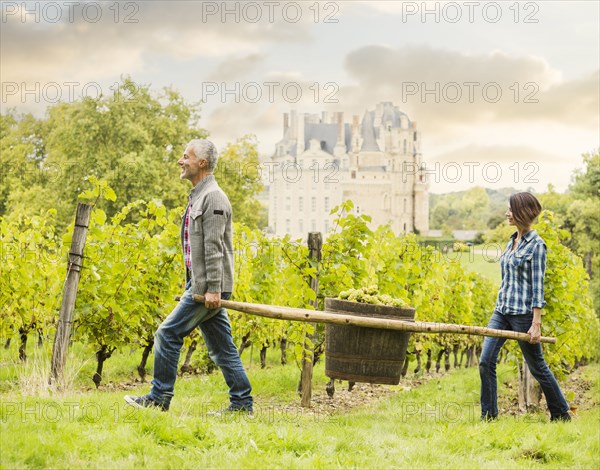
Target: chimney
{"points": [[340, 145], [293, 125], [286, 123], [340, 120], [300, 136], [378, 111], [355, 133]]}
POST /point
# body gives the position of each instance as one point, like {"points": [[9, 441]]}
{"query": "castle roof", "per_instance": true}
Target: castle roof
{"points": [[370, 133], [385, 114]]}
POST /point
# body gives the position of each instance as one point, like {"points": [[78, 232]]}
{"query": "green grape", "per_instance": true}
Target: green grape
{"points": [[344, 294], [369, 295]]}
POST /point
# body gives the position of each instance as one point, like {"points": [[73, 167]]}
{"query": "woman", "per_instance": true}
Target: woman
{"points": [[519, 308]]}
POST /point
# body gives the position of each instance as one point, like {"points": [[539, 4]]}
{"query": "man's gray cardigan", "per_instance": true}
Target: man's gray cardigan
{"points": [[211, 243]]}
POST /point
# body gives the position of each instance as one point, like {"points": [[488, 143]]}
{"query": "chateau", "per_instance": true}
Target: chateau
{"points": [[322, 161]]}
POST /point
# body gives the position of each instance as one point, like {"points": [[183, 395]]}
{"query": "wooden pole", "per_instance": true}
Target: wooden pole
{"points": [[63, 329], [301, 314], [315, 242]]}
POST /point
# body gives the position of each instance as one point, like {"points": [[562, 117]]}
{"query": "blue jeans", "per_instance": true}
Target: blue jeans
{"points": [[216, 331], [535, 361]]}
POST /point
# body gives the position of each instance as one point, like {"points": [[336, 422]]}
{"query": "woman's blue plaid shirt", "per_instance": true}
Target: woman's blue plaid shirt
{"points": [[523, 271]]}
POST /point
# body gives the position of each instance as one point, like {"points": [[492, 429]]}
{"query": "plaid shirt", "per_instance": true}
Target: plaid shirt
{"points": [[523, 271], [187, 252]]}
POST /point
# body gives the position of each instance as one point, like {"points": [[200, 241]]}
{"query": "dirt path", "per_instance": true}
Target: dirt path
{"points": [[576, 388]]}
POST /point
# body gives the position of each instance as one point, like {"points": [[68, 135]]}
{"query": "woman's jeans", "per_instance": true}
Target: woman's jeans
{"points": [[216, 331], [535, 361]]}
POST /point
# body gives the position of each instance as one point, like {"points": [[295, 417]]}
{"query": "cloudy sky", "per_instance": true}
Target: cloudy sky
{"points": [[505, 93]]}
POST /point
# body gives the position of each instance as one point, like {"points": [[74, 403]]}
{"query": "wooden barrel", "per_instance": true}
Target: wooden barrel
{"points": [[362, 354]]}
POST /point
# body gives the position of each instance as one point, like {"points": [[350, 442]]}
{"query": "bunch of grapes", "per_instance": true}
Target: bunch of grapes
{"points": [[369, 295]]}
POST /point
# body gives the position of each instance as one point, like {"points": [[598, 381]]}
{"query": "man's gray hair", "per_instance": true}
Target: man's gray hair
{"points": [[205, 150]]}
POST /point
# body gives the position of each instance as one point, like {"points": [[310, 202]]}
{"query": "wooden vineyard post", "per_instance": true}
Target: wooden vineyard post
{"points": [[530, 393], [63, 329], [315, 242]]}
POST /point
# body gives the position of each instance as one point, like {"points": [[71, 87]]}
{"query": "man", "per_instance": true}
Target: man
{"points": [[206, 237]]}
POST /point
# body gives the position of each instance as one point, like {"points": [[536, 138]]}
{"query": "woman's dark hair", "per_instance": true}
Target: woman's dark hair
{"points": [[525, 208]]}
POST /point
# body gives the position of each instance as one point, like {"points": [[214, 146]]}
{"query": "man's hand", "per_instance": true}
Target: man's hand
{"points": [[535, 332], [212, 299]]}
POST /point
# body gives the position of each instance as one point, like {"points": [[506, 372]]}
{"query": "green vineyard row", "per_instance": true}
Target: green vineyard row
{"points": [[133, 269]]}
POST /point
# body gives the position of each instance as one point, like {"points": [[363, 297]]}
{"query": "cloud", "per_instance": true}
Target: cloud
{"points": [[449, 89], [234, 120], [428, 64], [236, 67], [574, 102], [408, 9], [507, 154], [498, 166], [84, 50], [70, 52]]}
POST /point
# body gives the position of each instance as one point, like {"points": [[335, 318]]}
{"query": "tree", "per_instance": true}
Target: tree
{"points": [[131, 140], [582, 219], [238, 174], [586, 183], [475, 205], [21, 154], [439, 214], [461, 210]]}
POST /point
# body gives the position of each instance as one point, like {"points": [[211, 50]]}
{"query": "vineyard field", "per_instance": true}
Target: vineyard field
{"points": [[130, 278]]}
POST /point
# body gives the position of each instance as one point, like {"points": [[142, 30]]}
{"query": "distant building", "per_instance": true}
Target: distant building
{"points": [[322, 161]]}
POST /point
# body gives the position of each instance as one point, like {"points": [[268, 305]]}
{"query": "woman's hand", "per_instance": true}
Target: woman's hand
{"points": [[535, 332]]}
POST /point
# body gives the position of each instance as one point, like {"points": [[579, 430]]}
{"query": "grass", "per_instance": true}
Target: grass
{"points": [[434, 425], [486, 264]]}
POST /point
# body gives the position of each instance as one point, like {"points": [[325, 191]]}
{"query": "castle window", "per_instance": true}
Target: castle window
{"points": [[300, 203], [353, 174], [327, 204], [405, 226], [404, 204], [313, 225], [386, 202], [314, 204]]}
